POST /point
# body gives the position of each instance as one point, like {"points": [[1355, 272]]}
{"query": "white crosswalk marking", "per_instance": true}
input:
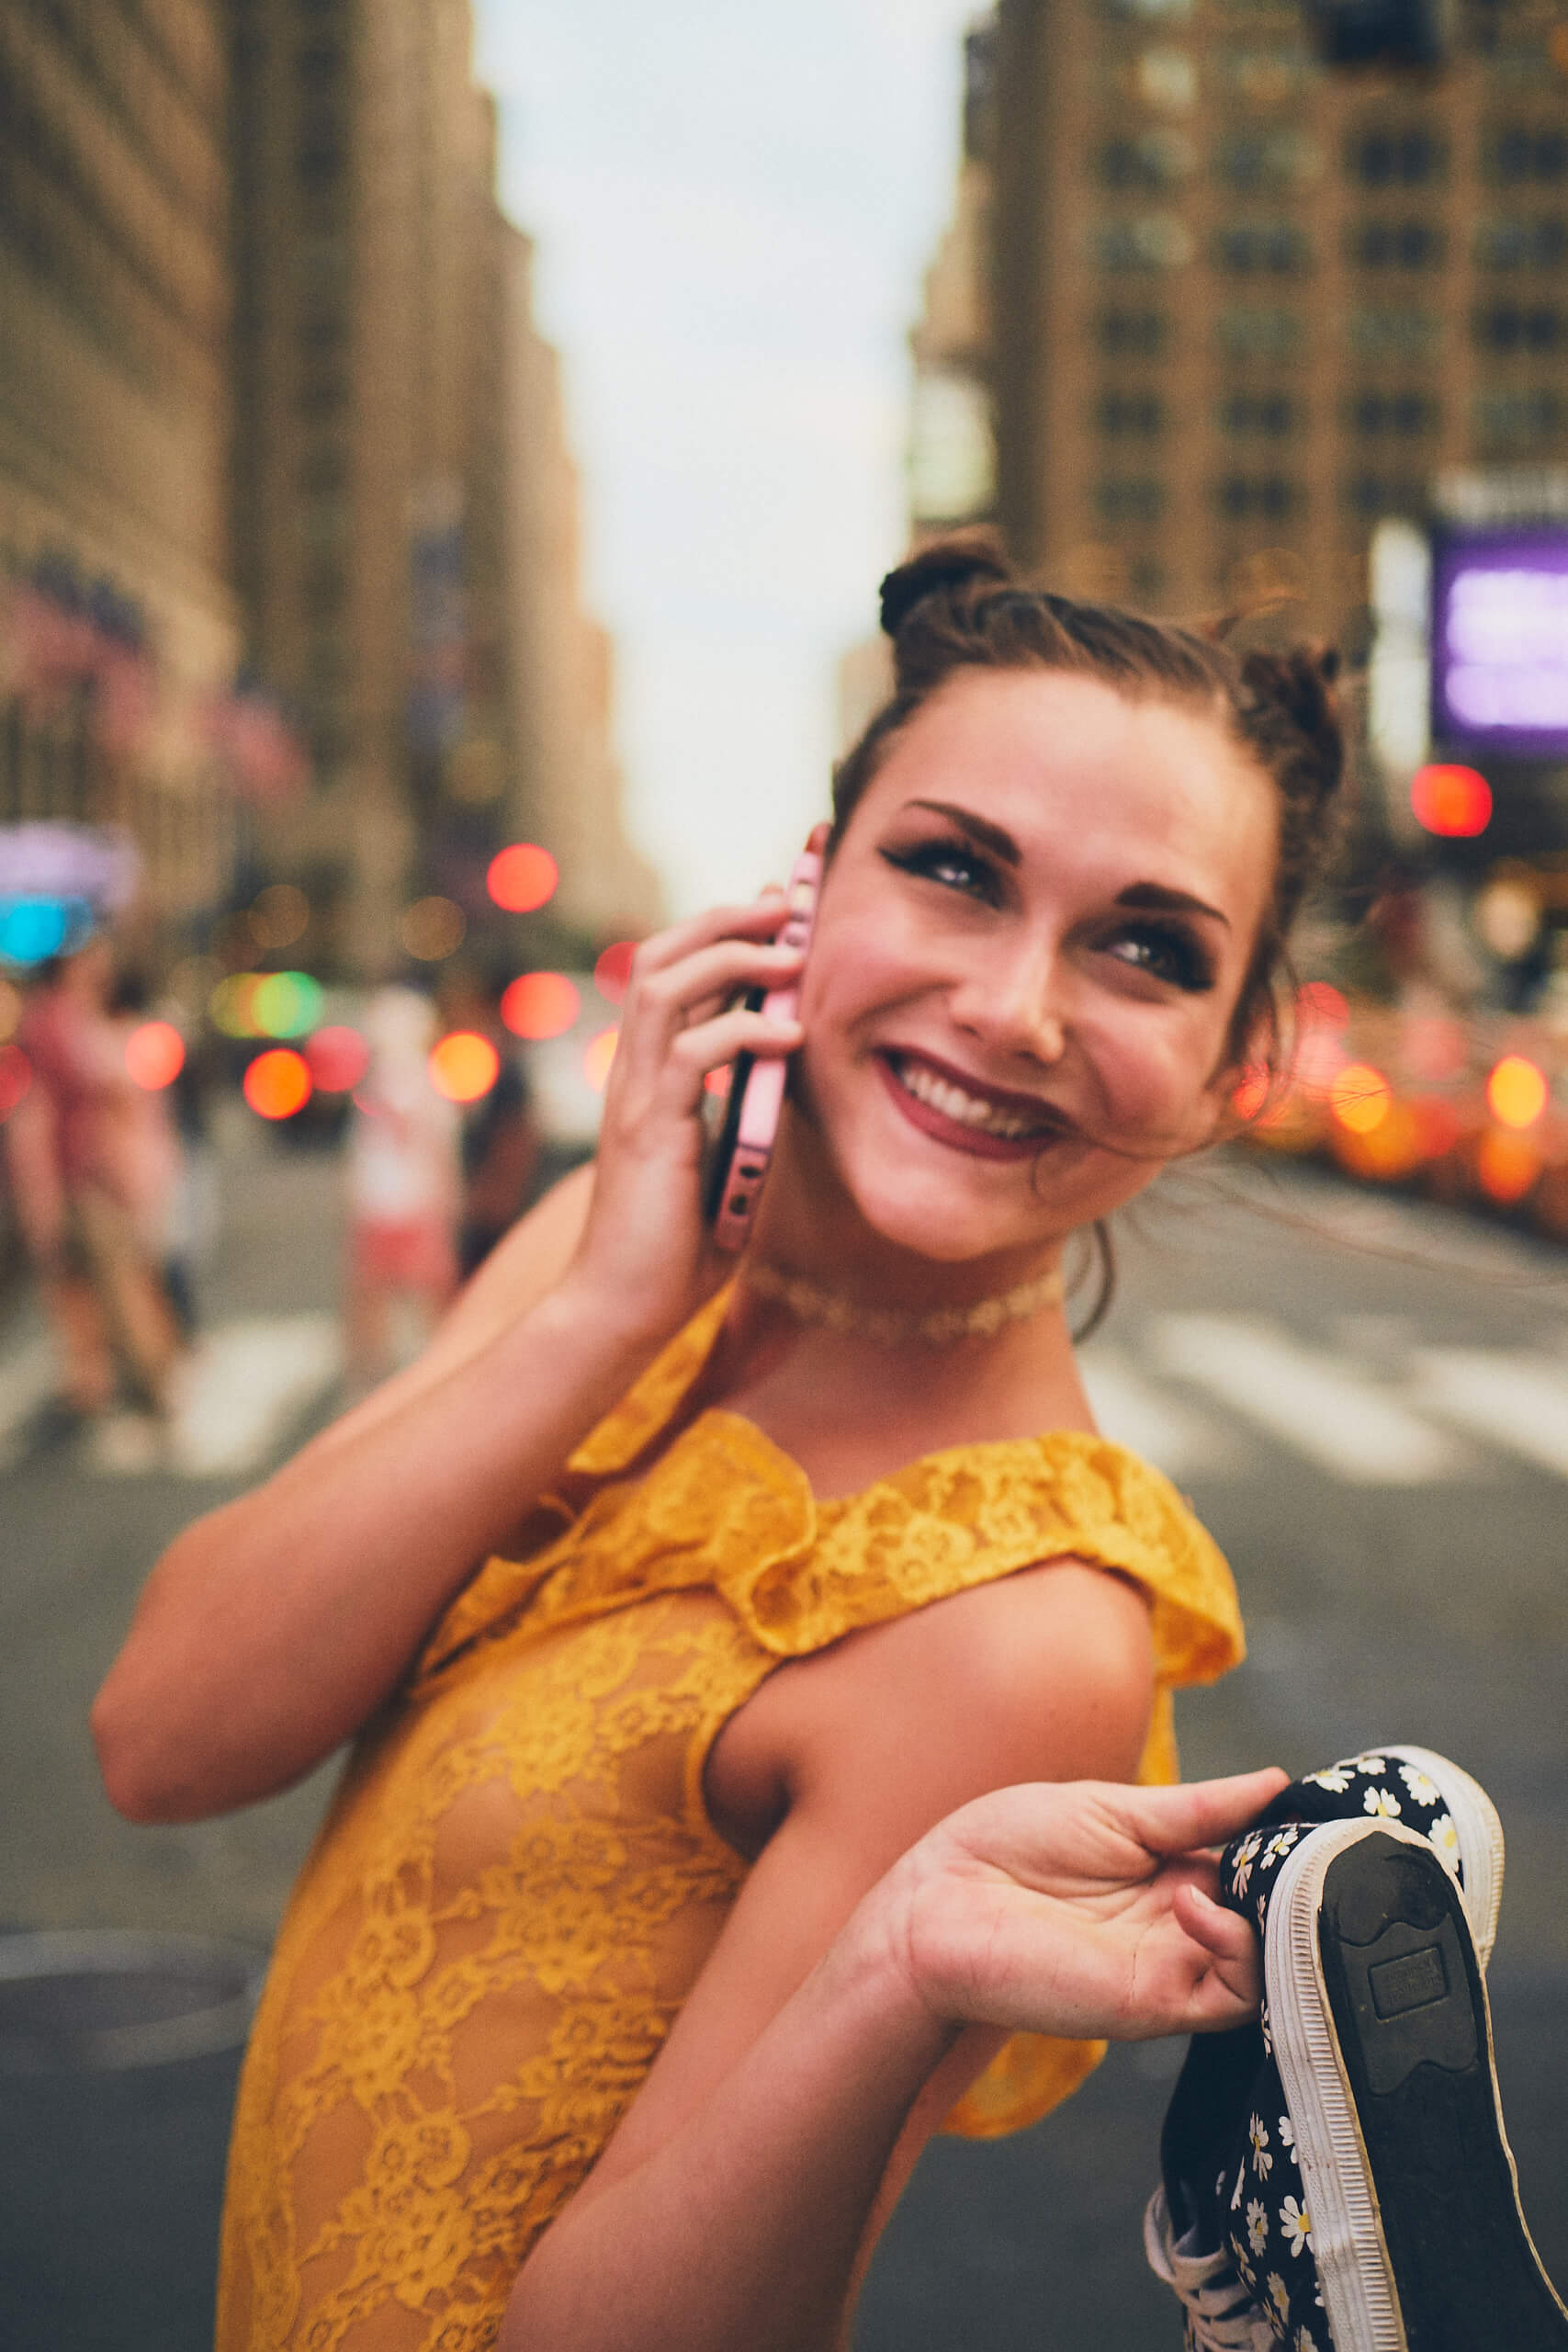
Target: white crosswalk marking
{"points": [[1316, 1404], [1517, 1401], [247, 1383], [1151, 1423]]}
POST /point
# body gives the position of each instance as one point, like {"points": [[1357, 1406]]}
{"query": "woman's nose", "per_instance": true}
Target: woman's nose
{"points": [[1017, 1005]]}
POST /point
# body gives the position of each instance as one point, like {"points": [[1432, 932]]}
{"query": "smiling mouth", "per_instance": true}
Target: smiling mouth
{"points": [[981, 1114]]}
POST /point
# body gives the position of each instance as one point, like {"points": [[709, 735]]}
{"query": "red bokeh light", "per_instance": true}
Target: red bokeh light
{"points": [[338, 1058], [597, 1056], [540, 1004], [463, 1066], [613, 972], [1454, 802], [277, 1083], [522, 877], [154, 1054], [1322, 1002], [16, 1076]]}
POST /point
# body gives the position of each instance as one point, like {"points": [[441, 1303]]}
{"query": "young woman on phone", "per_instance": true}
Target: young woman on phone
{"points": [[672, 1599]]}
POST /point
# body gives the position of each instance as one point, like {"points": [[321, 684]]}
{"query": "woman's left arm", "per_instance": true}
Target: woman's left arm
{"points": [[853, 1994]]}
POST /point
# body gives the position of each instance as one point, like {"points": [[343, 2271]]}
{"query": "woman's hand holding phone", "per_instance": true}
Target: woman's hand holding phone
{"points": [[648, 1257]]}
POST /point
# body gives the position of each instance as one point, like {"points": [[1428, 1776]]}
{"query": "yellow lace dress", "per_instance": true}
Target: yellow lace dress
{"points": [[517, 1884]]}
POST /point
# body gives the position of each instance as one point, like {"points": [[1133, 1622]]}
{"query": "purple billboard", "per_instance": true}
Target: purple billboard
{"points": [[1500, 641]]}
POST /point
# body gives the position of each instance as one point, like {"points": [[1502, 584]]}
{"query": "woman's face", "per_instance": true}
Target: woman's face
{"points": [[1028, 954]]}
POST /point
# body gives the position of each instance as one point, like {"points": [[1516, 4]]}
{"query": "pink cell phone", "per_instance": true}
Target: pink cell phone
{"points": [[757, 1088]]}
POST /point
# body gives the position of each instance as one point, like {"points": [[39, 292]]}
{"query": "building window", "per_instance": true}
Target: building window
{"points": [[1249, 247], [1384, 156], [1271, 76], [1367, 496], [1266, 498], [1510, 241], [1263, 159], [1148, 12], [1270, 416], [1129, 498], [1399, 331], [1132, 334], [1519, 420], [1154, 241], [1395, 245], [1122, 414], [1405, 416], [1154, 159], [1514, 152], [1166, 78], [1521, 326], [1246, 333]]}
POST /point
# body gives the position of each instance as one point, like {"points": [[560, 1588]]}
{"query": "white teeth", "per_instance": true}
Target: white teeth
{"points": [[965, 1110]]}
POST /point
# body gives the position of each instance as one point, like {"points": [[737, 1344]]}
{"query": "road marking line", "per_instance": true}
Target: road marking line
{"points": [[1517, 1401], [248, 1382], [1182, 1444], [1316, 1404]]}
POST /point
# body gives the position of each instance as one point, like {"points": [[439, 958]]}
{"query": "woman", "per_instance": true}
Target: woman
{"points": [[775, 1577]]}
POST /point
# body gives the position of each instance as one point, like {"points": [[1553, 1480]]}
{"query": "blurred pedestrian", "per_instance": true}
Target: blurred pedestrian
{"points": [[403, 1182], [83, 1170]]}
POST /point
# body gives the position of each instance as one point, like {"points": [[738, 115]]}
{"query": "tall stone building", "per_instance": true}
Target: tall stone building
{"points": [[118, 626], [1245, 305], [383, 389]]}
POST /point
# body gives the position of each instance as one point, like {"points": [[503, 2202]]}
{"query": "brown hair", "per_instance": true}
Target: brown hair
{"points": [[958, 605]]}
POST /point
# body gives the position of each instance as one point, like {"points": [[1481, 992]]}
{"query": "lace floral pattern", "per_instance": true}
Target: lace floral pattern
{"points": [[517, 1885]]}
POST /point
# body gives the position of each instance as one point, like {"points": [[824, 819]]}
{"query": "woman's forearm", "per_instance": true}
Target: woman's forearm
{"points": [[274, 1627], [745, 2227]]}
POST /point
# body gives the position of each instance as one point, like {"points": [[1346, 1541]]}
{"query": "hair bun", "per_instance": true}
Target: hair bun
{"points": [[944, 568]]}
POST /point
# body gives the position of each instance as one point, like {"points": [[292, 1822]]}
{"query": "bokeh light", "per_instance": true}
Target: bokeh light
{"points": [[463, 1066], [432, 928], [1435, 1045], [540, 1004], [230, 1007], [16, 1076], [1360, 1098], [154, 1054], [280, 915], [522, 877], [32, 929], [1505, 1165], [1317, 1061], [337, 1057], [10, 1008], [285, 1004], [1516, 1091], [277, 1083], [1454, 802], [613, 972], [716, 1083], [597, 1056], [1250, 1093], [1321, 1003]]}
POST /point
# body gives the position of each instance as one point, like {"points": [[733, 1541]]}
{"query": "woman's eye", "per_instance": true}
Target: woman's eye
{"points": [[1168, 956], [953, 864]]}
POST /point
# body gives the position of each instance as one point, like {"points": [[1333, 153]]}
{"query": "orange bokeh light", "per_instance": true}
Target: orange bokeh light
{"points": [[338, 1057], [540, 1004], [1454, 802], [613, 972], [1251, 1092], [1516, 1091], [1360, 1098], [599, 1054], [155, 1053], [522, 877], [277, 1083], [1507, 1165], [16, 1076], [463, 1066]]}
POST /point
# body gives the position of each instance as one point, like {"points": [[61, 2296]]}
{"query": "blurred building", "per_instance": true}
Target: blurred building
{"points": [[1243, 305], [118, 626], [389, 404]]}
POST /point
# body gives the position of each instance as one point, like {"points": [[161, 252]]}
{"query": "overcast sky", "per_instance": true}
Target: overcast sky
{"points": [[733, 204]]}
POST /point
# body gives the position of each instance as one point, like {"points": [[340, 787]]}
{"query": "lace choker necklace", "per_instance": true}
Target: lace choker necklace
{"points": [[938, 1327]]}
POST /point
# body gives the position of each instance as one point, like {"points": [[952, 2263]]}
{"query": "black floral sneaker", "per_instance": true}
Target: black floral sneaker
{"points": [[1336, 2179]]}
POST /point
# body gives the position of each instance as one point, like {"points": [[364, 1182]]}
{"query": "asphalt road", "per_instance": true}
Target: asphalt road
{"points": [[1367, 1402]]}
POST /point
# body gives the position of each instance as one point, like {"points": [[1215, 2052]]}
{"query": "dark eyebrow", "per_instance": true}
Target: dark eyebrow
{"points": [[1155, 896], [979, 829]]}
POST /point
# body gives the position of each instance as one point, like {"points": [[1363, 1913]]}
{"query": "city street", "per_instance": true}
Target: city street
{"points": [[1368, 1402]]}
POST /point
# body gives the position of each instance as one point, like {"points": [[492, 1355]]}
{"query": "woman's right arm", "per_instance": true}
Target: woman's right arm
{"points": [[272, 1628]]}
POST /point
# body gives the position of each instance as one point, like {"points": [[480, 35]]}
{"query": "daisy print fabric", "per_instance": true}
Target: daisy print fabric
{"points": [[1263, 2205]]}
